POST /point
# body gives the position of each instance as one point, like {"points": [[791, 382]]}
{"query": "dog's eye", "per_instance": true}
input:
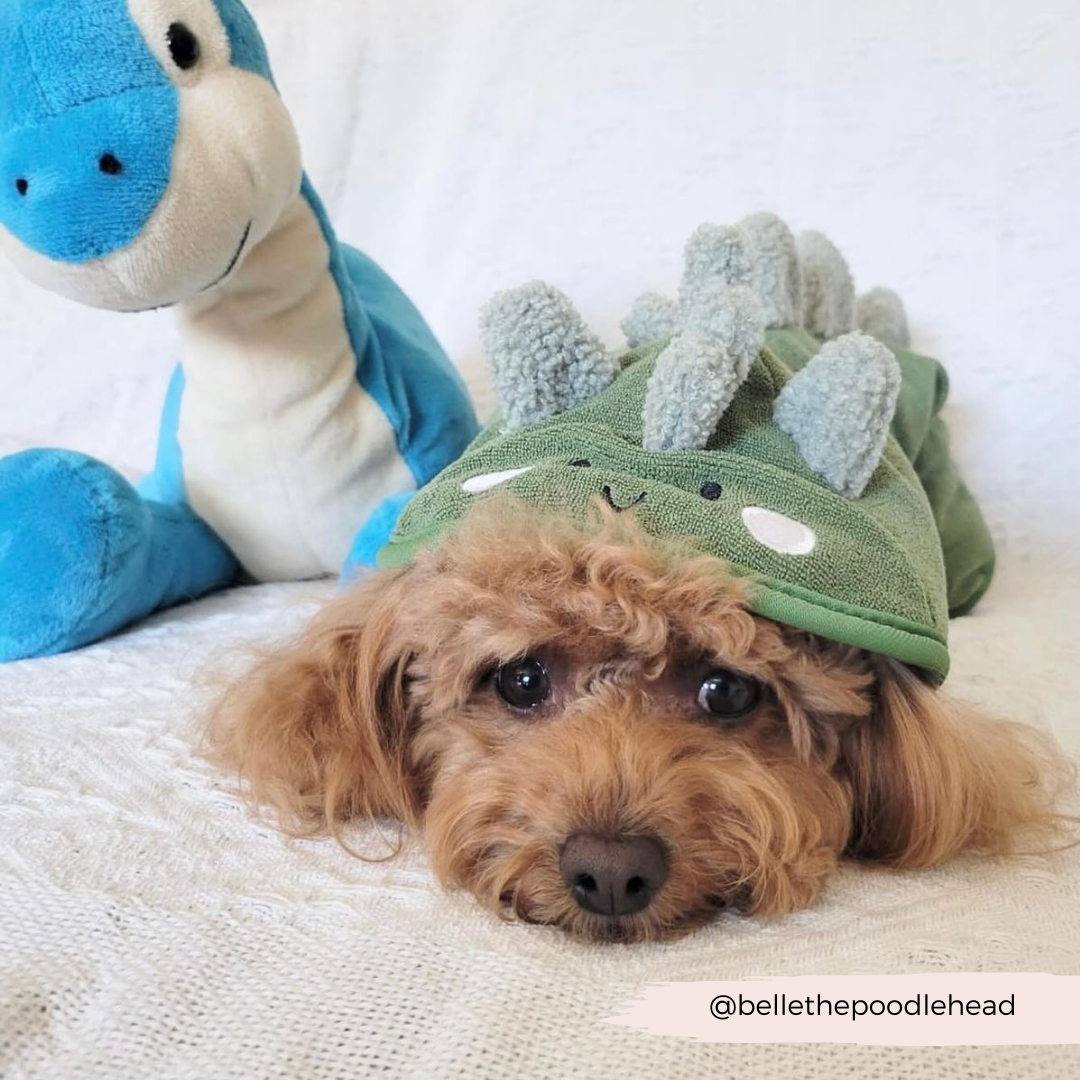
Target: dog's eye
{"points": [[183, 46], [523, 684], [581, 463], [729, 696], [711, 490]]}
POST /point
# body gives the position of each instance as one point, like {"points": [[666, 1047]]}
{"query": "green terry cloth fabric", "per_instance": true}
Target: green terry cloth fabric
{"points": [[881, 570]]}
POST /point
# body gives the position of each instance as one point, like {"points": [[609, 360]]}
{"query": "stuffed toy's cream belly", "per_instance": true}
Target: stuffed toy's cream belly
{"points": [[283, 450]]}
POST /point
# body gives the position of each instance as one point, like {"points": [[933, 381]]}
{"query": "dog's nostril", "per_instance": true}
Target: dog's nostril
{"points": [[22, 186], [613, 876], [110, 165], [585, 882]]}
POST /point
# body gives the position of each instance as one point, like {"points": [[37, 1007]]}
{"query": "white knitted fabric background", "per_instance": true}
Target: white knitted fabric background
{"points": [[150, 929]]}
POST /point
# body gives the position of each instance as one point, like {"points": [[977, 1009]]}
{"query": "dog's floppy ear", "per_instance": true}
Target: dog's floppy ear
{"points": [[931, 778], [319, 730]]}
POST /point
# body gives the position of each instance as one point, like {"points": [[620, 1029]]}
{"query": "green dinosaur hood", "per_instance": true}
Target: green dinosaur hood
{"points": [[806, 495]]}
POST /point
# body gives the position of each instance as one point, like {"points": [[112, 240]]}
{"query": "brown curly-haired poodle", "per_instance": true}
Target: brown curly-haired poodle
{"points": [[589, 729]]}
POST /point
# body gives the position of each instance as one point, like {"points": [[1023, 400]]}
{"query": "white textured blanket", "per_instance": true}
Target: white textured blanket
{"points": [[150, 929]]}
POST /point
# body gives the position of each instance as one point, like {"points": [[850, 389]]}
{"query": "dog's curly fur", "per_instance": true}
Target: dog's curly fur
{"points": [[385, 709]]}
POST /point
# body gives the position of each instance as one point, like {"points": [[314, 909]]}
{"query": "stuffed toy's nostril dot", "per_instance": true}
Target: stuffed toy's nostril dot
{"points": [[22, 186], [110, 165]]}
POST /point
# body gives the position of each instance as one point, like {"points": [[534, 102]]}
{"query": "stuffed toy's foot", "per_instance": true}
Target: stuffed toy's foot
{"points": [[82, 554]]}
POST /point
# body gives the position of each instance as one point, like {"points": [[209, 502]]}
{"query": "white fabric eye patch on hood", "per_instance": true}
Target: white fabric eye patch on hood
{"points": [[488, 481]]}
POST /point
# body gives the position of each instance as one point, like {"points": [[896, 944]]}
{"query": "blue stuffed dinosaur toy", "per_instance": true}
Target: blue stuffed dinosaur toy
{"points": [[147, 160]]}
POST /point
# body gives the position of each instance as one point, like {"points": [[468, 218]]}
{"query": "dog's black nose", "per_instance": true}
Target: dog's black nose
{"points": [[617, 876]]}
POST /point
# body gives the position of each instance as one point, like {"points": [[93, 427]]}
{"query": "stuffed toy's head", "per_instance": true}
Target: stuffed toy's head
{"points": [[790, 478], [144, 149]]}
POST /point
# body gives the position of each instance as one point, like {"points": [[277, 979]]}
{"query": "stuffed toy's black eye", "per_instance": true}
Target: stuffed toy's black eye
{"points": [[729, 696], [523, 684], [581, 463], [711, 491], [183, 46]]}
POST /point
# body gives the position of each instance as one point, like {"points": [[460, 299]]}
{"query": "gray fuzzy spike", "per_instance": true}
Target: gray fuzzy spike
{"points": [[690, 390], [838, 409], [652, 318], [777, 277], [828, 291], [716, 256], [733, 319], [881, 312], [698, 374], [542, 356]]}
